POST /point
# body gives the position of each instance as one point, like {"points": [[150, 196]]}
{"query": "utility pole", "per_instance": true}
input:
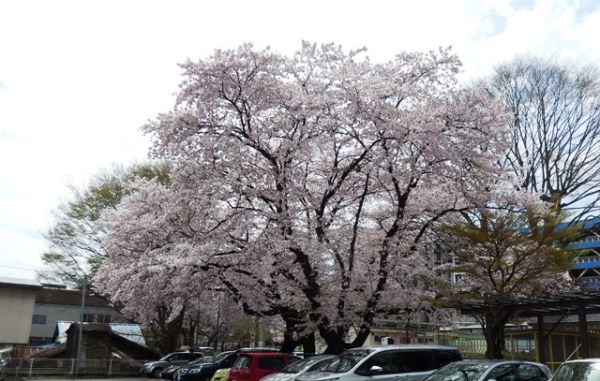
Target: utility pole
{"points": [[83, 291]]}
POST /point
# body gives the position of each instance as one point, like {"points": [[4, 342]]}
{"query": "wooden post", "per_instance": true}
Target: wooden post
{"points": [[583, 332], [541, 339]]}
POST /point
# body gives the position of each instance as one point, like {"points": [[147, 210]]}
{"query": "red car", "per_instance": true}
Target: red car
{"points": [[255, 365]]}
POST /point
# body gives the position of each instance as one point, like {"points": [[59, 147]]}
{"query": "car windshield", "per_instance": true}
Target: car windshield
{"points": [[578, 371], [459, 372], [346, 361], [201, 360], [222, 356], [167, 357], [299, 366]]}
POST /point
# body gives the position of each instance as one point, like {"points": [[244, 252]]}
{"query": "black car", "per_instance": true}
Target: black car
{"points": [[205, 371], [169, 372], [154, 368]]}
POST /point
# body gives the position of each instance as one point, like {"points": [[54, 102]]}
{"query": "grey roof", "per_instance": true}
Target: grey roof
{"points": [[19, 283], [131, 332]]}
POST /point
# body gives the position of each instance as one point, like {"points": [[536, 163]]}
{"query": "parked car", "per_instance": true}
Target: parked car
{"points": [[255, 365], [290, 372], [221, 375], [2, 369], [154, 368], [204, 372], [499, 370], [578, 370], [169, 372], [410, 362]]}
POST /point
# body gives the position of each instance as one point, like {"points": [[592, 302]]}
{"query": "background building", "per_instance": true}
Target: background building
{"points": [[17, 299], [53, 305], [586, 268]]}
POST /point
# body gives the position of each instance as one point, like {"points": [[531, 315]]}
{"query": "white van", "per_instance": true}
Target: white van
{"points": [[410, 362]]}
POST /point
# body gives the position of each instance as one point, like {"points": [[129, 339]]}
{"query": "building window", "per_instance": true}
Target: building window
{"points": [[96, 318], [38, 319]]}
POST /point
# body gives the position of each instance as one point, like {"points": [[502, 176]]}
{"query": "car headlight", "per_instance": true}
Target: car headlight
{"points": [[195, 371]]}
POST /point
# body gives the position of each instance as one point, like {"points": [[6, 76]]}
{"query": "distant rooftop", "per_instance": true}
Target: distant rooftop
{"points": [[131, 332], [68, 298], [8, 282]]}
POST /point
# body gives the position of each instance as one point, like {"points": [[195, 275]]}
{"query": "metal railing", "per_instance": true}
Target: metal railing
{"points": [[36, 367]]}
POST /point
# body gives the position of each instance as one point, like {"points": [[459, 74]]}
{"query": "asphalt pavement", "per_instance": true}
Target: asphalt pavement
{"points": [[76, 379]]}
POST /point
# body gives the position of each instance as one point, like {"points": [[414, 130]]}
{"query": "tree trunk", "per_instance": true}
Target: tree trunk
{"points": [[308, 344], [291, 340], [173, 334], [493, 330], [188, 333], [168, 332], [335, 338]]}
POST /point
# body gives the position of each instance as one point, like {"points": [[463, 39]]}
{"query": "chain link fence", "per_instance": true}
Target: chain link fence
{"points": [[39, 367]]}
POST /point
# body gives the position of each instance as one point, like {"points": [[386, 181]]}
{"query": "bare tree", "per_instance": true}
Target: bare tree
{"points": [[555, 130]]}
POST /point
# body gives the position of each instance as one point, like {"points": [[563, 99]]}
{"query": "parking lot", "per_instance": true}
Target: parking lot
{"points": [[78, 379]]}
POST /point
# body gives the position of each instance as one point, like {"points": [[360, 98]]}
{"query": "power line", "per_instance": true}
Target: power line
{"points": [[20, 268]]}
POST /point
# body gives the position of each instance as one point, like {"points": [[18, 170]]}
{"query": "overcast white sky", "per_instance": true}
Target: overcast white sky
{"points": [[78, 78]]}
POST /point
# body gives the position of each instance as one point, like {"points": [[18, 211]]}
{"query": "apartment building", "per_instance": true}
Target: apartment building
{"points": [[586, 268]]}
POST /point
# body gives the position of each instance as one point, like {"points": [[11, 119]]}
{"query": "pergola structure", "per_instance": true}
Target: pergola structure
{"points": [[581, 303]]}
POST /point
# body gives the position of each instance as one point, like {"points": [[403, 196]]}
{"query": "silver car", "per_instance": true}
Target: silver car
{"points": [[488, 370], [409, 362], [309, 364], [578, 370], [2, 369]]}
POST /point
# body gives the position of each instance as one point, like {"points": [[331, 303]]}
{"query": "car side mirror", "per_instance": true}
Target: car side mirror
{"points": [[375, 369]]}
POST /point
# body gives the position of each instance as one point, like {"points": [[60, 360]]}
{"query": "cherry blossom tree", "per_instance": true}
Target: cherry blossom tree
{"points": [[74, 240], [305, 186]]}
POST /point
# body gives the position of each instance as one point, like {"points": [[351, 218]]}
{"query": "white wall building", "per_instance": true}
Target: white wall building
{"points": [[17, 300], [53, 305]]}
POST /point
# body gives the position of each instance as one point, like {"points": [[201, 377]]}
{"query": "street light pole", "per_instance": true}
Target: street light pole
{"points": [[83, 290]]}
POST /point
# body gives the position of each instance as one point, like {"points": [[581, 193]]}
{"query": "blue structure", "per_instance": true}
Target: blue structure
{"points": [[586, 268]]}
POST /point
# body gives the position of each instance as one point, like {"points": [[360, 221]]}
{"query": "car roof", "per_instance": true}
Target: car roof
{"points": [[406, 346], [489, 361], [593, 359], [260, 353]]}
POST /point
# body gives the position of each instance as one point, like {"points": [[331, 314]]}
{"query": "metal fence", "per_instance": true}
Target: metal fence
{"points": [[36, 367]]}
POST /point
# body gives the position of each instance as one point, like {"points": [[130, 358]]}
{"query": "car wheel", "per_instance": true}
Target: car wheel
{"points": [[156, 372]]}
